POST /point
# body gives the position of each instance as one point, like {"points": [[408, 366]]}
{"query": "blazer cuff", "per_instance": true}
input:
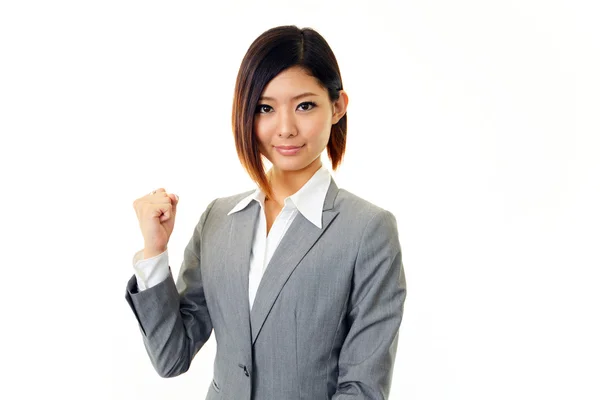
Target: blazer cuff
{"points": [[148, 304]]}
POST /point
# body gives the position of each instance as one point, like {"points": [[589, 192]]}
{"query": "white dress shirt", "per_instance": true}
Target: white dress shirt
{"points": [[308, 201]]}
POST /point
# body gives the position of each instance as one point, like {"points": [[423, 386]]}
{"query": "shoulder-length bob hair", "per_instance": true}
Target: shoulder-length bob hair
{"points": [[272, 52]]}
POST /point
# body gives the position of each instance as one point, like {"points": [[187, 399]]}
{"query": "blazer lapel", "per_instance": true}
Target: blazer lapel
{"points": [[241, 235], [296, 242]]}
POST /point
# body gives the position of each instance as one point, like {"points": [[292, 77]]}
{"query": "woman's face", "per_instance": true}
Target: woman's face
{"points": [[293, 120]]}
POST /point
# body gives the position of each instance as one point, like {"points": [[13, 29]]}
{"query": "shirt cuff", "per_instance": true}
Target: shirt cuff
{"points": [[150, 271]]}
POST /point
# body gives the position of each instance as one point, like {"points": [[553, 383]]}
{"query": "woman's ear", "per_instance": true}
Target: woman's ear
{"points": [[339, 107]]}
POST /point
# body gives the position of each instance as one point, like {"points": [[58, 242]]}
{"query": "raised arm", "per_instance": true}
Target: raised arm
{"points": [[174, 324]]}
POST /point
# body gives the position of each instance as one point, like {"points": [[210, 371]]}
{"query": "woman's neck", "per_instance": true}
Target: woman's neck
{"points": [[286, 183]]}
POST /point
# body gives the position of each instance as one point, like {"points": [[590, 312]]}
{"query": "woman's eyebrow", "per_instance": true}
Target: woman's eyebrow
{"points": [[293, 98]]}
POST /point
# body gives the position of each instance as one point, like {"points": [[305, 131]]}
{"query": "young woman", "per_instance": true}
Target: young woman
{"points": [[302, 282]]}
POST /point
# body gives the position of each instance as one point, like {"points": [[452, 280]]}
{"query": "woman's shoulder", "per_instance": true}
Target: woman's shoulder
{"points": [[361, 215], [225, 204], [353, 204]]}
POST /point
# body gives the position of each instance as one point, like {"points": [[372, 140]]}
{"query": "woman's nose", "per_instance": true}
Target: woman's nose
{"points": [[286, 124]]}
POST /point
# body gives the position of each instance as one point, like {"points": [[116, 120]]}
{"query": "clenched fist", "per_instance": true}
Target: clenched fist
{"points": [[156, 215]]}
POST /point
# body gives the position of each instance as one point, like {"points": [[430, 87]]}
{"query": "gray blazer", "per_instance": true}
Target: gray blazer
{"points": [[325, 320]]}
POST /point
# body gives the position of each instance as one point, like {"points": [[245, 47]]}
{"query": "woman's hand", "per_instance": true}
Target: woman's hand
{"points": [[156, 215]]}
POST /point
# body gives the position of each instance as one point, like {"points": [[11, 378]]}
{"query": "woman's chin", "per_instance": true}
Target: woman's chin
{"points": [[290, 165], [294, 165]]}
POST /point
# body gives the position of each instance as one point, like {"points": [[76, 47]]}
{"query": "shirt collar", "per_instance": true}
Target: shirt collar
{"points": [[308, 200]]}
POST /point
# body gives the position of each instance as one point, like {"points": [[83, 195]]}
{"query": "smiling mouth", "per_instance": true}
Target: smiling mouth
{"points": [[288, 150]]}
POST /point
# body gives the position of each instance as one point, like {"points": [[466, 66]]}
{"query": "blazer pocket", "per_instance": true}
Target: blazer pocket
{"points": [[215, 386]]}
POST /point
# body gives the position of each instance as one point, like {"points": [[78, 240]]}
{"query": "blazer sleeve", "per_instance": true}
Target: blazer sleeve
{"points": [[174, 318], [375, 310]]}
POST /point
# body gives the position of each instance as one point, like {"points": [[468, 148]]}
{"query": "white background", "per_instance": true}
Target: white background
{"points": [[474, 122]]}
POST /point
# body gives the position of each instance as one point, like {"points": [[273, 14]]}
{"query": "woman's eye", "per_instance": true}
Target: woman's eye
{"points": [[263, 109], [307, 105]]}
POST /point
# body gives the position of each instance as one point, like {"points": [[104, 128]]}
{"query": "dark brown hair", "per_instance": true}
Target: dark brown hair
{"points": [[272, 52]]}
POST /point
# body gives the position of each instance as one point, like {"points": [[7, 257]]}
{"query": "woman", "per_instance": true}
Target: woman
{"points": [[302, 282]]}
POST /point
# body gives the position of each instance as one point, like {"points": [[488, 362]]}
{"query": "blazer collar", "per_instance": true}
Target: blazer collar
{"points": [[297, 241]]}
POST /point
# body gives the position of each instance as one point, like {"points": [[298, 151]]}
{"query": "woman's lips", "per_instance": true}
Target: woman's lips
{"points": [[288, 150]]}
